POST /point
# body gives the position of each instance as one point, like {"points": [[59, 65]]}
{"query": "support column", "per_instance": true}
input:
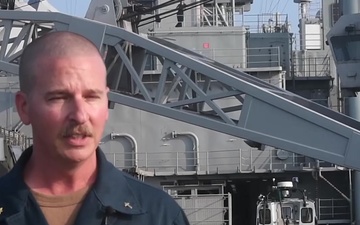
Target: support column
{"points": [[353, 106]]}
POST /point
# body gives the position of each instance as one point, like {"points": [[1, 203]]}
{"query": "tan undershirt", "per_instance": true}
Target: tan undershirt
{"points": [[61, 210]]}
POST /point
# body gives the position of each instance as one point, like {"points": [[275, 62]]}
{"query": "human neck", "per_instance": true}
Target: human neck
{"points": [[55, 177]]}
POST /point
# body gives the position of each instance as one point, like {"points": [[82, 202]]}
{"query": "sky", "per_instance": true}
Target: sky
{"points": [[79, 8]]}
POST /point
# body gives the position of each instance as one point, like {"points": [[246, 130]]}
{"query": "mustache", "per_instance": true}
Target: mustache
{"points": [[82, 130]]}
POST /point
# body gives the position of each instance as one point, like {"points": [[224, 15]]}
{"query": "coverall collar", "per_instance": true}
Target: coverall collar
{"points": [[110, 188]]}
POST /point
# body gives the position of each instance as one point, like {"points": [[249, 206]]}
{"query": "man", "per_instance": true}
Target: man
{"points": [[64, 177]]}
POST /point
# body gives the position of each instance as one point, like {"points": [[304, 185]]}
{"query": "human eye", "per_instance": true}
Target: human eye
{"points": [[91, 98], [55, 99], [57, 96], [93, 95]]}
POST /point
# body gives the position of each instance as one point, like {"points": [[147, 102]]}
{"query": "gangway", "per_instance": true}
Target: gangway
{"points": [[261, 109]]}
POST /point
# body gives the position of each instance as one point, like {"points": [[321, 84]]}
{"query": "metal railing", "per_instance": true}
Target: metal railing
{"points": [[210, 209], [333, 209], [312, 66], [313, 8], [14, 138], [255, 23], [210, 162], [263, 57], [235, 58], [264, 23], [14, 144]]}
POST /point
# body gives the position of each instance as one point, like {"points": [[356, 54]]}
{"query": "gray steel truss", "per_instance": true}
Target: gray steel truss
{"points": [[263, 113]]}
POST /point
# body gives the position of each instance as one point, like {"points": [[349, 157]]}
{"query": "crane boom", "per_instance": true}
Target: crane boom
{"points": [[263, 113]]}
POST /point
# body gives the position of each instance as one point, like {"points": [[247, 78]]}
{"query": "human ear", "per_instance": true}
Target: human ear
{"points": [[22, 107]]}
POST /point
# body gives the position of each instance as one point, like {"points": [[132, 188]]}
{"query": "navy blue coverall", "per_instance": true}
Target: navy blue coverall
{"points": [[115, 199]]}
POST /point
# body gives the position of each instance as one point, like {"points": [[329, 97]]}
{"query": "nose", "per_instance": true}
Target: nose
{"points": [[78, 111]]}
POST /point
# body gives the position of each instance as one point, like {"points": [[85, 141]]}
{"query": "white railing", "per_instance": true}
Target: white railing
{"points": [[14, 138], [312, 9], [206, 209], [210, 162], [14, 143], [312, 66], [264, 23], [255, 23], [235, 57]]}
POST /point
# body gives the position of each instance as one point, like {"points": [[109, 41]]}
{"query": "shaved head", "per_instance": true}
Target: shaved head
{"points": [[63, 96], [60, 44]]}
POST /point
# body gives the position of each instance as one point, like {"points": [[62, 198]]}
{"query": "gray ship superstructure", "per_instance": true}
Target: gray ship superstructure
{"points": [[206, 107]]}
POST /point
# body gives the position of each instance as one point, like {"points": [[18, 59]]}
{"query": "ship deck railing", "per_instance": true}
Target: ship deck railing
{"points": [[264, 22], [227, 161], [239, 58], [333, 211], [254, 23], [312, 66], [15, 138], [206, 209]]}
